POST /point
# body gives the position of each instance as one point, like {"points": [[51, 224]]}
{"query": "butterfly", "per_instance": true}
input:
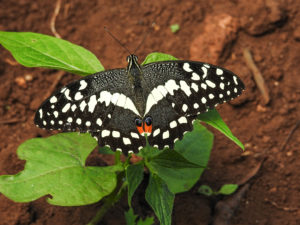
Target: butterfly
{"points": [[119, 107]]}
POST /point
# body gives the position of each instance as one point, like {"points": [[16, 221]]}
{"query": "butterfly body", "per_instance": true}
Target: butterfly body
{"points": [[118, 107]]}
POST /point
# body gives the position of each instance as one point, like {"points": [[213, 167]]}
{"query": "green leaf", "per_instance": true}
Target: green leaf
{"points": [[147, 221], [195, 147], [160, 198], [56, 166], [134, 176], [175, 27], [214, 119], [171, 159], [157, 56], [228, 189], [130, 217], [205, 190], [38, 50]]}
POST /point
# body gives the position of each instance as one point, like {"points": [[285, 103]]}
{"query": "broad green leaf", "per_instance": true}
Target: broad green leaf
{"points": [[160, 198], [175, 27], [157, 56], [134, 176], [228, 189], [171, 159], [56, 166], [195, 147], [39, 50], [205, 190], [214, 119]]}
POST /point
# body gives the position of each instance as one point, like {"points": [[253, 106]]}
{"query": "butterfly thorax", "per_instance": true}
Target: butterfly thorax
{"points": [[135, 77]]}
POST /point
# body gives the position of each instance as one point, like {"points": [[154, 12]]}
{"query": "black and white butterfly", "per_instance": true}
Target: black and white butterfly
{"points": [[119, 106]]}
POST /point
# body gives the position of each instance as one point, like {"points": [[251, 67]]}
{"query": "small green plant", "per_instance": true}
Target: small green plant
{"points": [[226, 189], [175, 28], [56, 166]]}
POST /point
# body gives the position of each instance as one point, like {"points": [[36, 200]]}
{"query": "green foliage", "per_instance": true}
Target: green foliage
{"points": [[226, 189], [56, 165], [157, 56], [160, 198], [214, 119], [38, 50], [131, 219], [175, 28], [134, 176]]}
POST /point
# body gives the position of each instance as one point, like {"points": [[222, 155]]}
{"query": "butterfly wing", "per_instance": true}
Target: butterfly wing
{"points": [[179, 91], [94, 104]]}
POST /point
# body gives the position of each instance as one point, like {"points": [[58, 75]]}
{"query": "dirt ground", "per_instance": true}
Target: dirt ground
{"points": [[215, 31]]}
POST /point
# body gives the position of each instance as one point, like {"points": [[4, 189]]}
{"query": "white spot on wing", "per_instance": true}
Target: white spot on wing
{"points": [[53, 99], [41, 113], [116, 134], [105, 133], [157, 94], [88, 123], [126, 141], [78, 96], [55, 113], [134, 135], [173, 124], [156, 132], [121, 101], [203, 100], [83, 85], [67, 94], [184, 107], [70, 120], [211, 96], [195, 87], [195, 76], [66, 107], [82, 105], [185, 88], [105, 96], [150, 102], [52, 122], [99, 122], [196, 105], [92, 103], [182, 120], [162, 90], [73, 107], [78, 121], [204, 86], [235, 80], [219, 71], [114, 98], [204, 69], [222, 85], [186, 67], [210, 84], [171, 85], [166, 134]]}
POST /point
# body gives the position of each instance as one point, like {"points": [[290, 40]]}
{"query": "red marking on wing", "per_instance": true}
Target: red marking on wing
{"points": [[140, 129], [148, 129]]}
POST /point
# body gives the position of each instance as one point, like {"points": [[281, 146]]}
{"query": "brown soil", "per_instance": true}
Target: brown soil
{"points": [[270, 28]]}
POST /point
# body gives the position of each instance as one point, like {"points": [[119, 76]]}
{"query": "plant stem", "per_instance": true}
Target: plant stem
{"points": [[109, 202]]}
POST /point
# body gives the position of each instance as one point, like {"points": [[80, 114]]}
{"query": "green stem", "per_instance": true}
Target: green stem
{"points": [[109, 202]]}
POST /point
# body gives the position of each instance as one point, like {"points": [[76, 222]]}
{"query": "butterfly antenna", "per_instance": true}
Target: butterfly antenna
{"points": [[117, 40], [143, 40]]}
